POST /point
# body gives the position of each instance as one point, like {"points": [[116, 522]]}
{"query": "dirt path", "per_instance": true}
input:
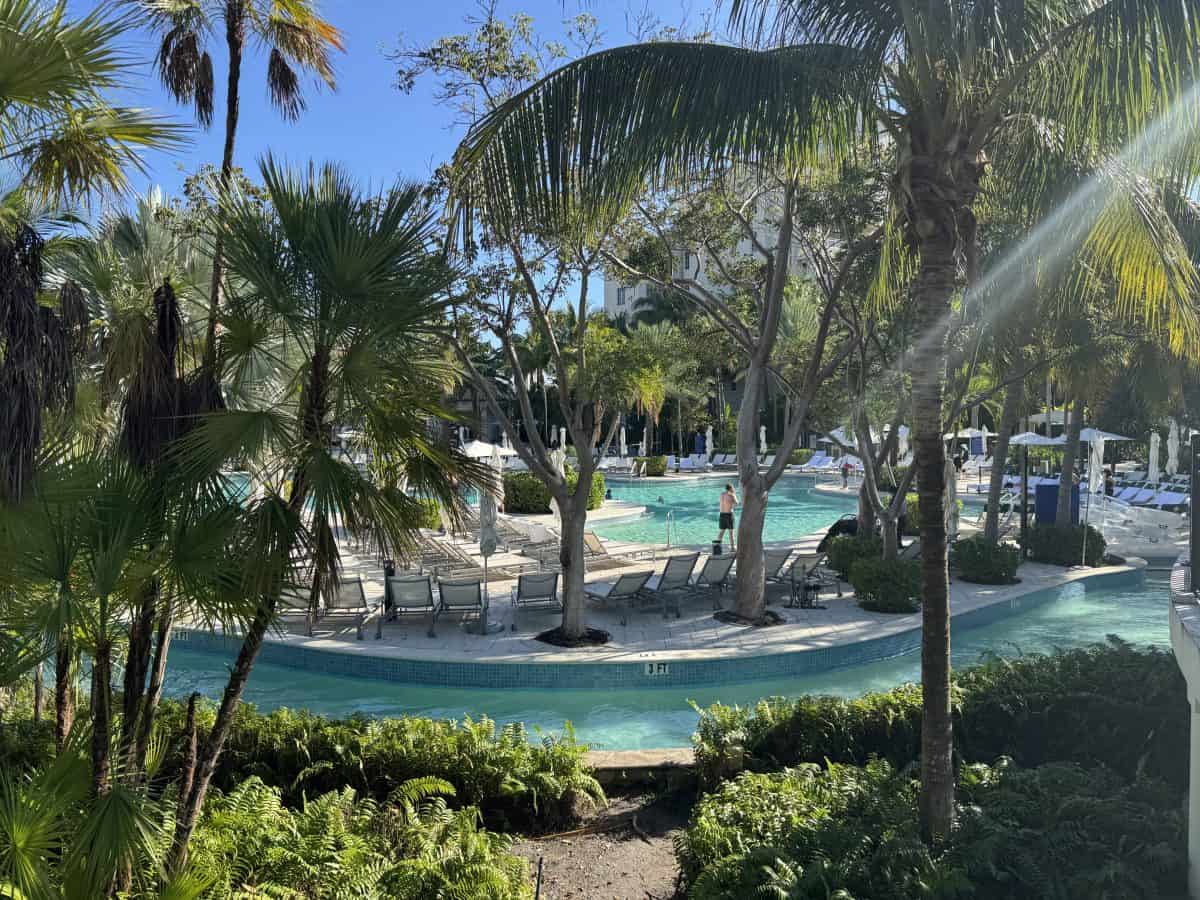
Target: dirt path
{"points": [[625, 853]]}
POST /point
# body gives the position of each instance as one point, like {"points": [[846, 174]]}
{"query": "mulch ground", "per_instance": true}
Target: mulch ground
{"points": [[623, 852]]}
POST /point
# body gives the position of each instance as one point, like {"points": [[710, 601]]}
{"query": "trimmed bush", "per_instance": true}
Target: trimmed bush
{"points": [[1054, 831], [800, 456], [846, 549], [524, 492], [1034, 709], [979, 561], [656, 466], [1064, 546], [887, 585]]}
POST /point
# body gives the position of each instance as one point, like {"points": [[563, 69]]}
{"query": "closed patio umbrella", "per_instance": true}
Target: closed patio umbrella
{"points": [[708, 442], [1155, 471], [1173, 449], [488, 540], [762, 440], [624, 448]]}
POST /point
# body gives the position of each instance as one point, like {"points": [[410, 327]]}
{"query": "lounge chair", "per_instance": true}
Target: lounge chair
{"points": [[713, 577], [538, 591], [676, 577], [671, 463], [911, 551], [799, 574], [624, 590], [594, 551], [294, 604], [768, 461], [687, 464], [816, 461], [409, 595], [349, 601], [461, 596], [773, 560]]}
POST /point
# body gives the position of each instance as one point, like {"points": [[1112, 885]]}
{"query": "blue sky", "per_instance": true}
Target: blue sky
{"points": [[376, 131]]}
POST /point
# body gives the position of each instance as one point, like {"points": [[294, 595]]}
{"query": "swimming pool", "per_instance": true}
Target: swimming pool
{"points": [[1070, 616], [794, 509]]}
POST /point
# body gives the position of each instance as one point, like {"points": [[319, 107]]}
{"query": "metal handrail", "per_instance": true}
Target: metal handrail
{"points": [[670, 519]]}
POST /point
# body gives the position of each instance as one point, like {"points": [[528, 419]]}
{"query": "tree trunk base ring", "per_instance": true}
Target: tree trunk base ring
{"points": [[591, 637], [767, 619]]}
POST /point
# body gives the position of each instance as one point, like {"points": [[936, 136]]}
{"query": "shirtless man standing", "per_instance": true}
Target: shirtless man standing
{"points": [[728, 501]]}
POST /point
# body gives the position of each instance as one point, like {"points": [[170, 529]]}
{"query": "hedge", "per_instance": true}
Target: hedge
{"points": [[656, 466], [800, 456], [1033, 709], [887, 585], [979, 561], [524, 492], [1064, 546]]}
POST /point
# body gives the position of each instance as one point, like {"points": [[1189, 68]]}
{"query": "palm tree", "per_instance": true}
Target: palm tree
{"points": [[297, 40], [58, 128], [535, 357], [960, 89], [356, 290]]}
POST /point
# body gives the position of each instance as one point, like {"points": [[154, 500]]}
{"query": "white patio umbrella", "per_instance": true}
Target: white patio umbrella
{"points": [[708, 442], [902, 442], [562, 439], [984, 434], [504, 439], [1090, 434], [484, 450], [462, 435], [951, 479], [762, 440], [558, 459], [1154, 471], [1096, 466], [1033, 439], [1173, 448], [624, 448]]}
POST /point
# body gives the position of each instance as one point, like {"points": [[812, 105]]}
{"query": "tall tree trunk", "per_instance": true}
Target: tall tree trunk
{"points": [[64, 701], [1014, 398], [189, 755], [39, 693], [932, 289], [235, 39], [101, 713], [865, 513], [137, 663], [571, 558], [206, 763], [1066, 480], [158, 673], [750, 597], [890, 532]]}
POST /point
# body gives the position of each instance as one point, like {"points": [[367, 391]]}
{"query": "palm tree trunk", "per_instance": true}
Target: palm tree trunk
{"points": [[158, 673], [137, 663], [235, 38], [39, 701], [64, 702], [1066, 480], [1014, 397], [750, 597], [206, 762], [934, 285], [571, 558], [101, 713]]}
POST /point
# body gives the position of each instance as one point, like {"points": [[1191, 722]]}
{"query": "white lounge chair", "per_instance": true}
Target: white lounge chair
{"points": [[624, 590], [538, 591], [675, 578]]}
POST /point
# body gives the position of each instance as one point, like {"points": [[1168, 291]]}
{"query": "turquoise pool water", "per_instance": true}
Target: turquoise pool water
{"points": [[793, 511], [1073, 617]]}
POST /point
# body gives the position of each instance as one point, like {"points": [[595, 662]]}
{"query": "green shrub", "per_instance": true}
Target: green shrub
{"points": [[1064, 546], [800, 456], [515, 783], [1055, 831], [524, 492], [338, 845], [979, 561], [1107, 704], [912, 514], [887, 585], [845, 550], [431, 517], [656, 466]]}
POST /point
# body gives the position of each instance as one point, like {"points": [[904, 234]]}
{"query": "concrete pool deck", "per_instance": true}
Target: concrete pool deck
{"points": [[649, 651]]}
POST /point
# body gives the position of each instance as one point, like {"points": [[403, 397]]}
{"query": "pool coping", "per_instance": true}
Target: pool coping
{"points": [[652, 669]]}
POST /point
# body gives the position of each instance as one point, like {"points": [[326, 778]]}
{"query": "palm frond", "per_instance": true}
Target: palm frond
{"points": [[587, 138]]}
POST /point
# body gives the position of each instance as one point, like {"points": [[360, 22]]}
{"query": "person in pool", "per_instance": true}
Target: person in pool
{"points": [[727, 502]]}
